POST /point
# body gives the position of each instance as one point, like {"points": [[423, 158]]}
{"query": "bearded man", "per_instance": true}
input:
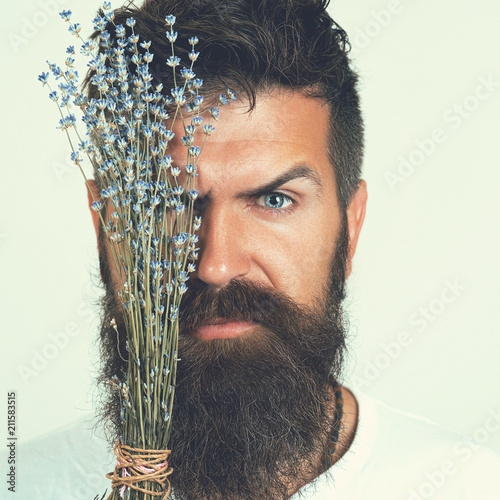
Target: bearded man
{"points": [[259, 412], [261, 326]]}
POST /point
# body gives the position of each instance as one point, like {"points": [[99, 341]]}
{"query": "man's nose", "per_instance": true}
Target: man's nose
{"points": [[222, 254]]}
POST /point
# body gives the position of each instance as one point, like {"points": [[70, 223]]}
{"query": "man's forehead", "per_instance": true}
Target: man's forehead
{"points": [[278, 112], [285, 136]]}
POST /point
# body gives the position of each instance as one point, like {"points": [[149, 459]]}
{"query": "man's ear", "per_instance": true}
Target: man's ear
{"points": [[355, 217], [93, 195]]}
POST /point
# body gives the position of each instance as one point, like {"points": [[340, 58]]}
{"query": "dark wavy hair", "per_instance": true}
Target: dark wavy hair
{"points": [[253, 46]]}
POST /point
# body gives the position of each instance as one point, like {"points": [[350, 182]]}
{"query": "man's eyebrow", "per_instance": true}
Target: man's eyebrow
{"points": [[299, 171]]}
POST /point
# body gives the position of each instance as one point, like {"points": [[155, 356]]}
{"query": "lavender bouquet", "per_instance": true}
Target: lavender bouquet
{"points": [[147, 217]]}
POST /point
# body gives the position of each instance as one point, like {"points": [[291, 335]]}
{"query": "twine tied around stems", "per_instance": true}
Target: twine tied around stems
{"points": [[135, 465]]}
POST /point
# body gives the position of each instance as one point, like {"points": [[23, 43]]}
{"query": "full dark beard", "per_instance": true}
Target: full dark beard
{"points": [[252, 415]]}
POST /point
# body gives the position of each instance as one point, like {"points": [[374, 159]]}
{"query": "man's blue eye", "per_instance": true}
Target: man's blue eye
{"points": [[276, 200]]}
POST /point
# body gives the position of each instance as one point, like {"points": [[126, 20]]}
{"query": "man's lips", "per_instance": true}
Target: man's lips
{"points": [[223, 329]]}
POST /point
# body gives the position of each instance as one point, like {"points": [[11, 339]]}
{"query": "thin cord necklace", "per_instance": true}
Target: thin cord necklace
{"points": [[334, 436]]}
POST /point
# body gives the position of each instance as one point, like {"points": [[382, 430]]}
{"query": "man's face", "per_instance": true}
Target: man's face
{"points": [[284, 237], [252, 402]]}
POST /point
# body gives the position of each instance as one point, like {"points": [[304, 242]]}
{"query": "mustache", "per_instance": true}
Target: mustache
{"points": [[242, 300]]}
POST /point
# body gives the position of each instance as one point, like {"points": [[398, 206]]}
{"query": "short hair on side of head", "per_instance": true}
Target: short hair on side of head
{"points": [[253, 46]]}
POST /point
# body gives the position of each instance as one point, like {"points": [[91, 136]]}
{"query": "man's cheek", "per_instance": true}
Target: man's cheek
{"points": [[305, 280]]}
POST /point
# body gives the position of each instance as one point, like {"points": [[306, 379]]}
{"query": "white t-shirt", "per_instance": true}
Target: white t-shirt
{"points": [[394, 456], [401, 456]]}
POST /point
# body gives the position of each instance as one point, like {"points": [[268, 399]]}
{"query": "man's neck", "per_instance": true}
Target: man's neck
{"points": [[349, 424], [347, 430]]}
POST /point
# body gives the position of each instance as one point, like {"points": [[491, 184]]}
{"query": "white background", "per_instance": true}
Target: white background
{"points": [[420, 63]]}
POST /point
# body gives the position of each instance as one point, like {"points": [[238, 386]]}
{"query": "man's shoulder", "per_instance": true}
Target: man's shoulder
{"points": [[434, 461], [408, 457], [394, 429], [70, 463]]}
